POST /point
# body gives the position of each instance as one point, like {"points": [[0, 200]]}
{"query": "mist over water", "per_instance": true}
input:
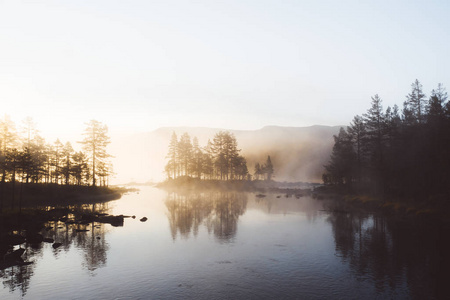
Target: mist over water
{"points": [[222, 245], [298, 153], [107, 99]]}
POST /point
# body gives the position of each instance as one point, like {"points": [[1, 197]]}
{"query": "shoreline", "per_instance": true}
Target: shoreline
{"points": [[34, 195], [346, 201]]}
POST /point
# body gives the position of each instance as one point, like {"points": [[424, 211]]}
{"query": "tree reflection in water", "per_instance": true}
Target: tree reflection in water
{"points": [[218, 211], [394, 252], [17, 277], [91, 242]]}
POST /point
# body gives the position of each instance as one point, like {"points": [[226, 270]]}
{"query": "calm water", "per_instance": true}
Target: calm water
{"points": [[235, 246]]}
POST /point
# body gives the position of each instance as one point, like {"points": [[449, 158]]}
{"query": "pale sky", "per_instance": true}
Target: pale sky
{"points": [[140, 65]]}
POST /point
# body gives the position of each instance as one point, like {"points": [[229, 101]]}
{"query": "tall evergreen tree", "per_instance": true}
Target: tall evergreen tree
{"points": [[268, 168], [8, 140], [95, 141], [29, 129], [185, 153], [57, 160], [358, 135], [172, 155], [66, 165], [436, 104], [375, 126], [225, 151], [197, 158], [416, 102], [208, 164], [80, 169], [339, 169], [258, 171]]}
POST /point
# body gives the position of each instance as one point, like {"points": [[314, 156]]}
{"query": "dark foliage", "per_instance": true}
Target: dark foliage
{"points": [[406, 156]]}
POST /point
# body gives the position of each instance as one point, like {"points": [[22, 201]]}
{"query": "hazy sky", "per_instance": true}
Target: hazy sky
{"points": [[140, 65]]}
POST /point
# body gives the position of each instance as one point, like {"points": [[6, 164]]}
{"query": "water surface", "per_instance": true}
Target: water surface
{"points": [[233, 245]]}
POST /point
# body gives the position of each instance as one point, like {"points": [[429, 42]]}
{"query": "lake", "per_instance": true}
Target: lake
{"points": [[235, 245]]}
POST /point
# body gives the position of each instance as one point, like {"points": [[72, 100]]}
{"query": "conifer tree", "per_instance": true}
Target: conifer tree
{"points": [[416, 102], [185, 153], [172, 155], [95, 142], [358, 135], [268, 168]]}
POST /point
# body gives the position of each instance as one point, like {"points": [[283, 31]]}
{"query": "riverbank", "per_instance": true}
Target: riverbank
{"points": [[40, 209], [433, 207], [32, 195]]}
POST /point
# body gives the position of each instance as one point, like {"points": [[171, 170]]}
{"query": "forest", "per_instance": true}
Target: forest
{"points": [[220, 159], [404, 154], [26, 157]]}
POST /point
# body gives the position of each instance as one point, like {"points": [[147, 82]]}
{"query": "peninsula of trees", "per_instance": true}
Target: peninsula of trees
{"points": [[27, 159], [220, 159], [402, 154]]}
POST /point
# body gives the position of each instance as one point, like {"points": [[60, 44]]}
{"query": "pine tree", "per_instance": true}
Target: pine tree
{"points": [[57, 159], [268, 168], [66, 168], [375, 126], [185, 153], [80, 169], [8, 140], [197, 158], [339, 168], [416, 102], [95, 142], [172, 155], [358, 136], [258, 171], [436, 105]]}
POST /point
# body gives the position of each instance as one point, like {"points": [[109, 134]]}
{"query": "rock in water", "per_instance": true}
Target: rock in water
{"points": [[115, 221], [56, 245], [15, 255]]}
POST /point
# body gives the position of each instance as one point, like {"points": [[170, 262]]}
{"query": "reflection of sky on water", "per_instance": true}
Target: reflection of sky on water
{"points": [[232, 245]]}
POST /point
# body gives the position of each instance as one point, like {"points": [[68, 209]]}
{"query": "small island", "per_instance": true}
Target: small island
{"points": [[217, 165]]}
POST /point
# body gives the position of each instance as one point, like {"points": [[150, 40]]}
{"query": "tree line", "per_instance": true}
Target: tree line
{"points": [[264, 171], [401, 153], [220, 159], [26, 157]]}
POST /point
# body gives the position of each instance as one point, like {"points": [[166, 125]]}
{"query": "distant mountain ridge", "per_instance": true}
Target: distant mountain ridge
{"points": [[298, 153]]}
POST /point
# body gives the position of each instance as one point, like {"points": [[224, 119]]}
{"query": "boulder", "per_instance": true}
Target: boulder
{"points": [[56, 245]]}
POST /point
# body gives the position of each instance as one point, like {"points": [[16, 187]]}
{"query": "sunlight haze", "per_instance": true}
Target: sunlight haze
{"points": [[140, 65]]}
